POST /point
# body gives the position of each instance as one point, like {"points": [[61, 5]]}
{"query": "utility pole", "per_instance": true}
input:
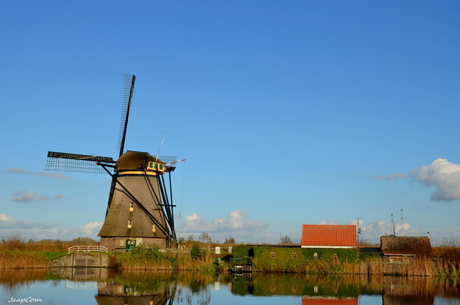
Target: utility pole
{"points": [[359, 230], [393, 224], [402, 222]]}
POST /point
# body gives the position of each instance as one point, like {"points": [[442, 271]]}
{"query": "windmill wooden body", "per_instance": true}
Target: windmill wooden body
{"points": [[140, 208]]}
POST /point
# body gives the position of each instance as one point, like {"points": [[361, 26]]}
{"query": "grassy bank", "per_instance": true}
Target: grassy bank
{"points": [[341, 261], [284, 260], [16, 253], [152, 258]]}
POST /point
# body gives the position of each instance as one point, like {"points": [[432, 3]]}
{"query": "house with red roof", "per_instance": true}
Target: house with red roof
{"points": [[328, 236]]}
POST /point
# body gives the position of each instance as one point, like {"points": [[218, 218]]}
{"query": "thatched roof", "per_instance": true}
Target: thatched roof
{"points": [[415, 245], [130, 160]]}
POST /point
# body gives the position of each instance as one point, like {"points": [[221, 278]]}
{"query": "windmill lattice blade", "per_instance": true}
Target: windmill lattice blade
{"points": [[127, 98], [170, 162], [76, 163]]}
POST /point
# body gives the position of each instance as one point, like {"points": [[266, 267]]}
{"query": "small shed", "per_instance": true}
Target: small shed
{"points": [[328, 236], [400, 249]]}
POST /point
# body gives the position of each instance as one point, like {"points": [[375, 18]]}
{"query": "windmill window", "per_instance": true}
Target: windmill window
{"points": [[131, 207], [130, 224], [153, 228], [122, 243]]}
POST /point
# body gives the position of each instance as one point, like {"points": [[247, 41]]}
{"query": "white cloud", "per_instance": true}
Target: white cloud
{"points": [[31, 230], [443, 175], [57, 197], [54, 175], [235, 220], [25, 196], [373, 230], [90, 229], [357, 222], [8, 222], [327, 222], [18, 170], [391, 177]]}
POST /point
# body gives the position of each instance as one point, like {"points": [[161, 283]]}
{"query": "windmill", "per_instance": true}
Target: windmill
{"points": [[140, 207]]}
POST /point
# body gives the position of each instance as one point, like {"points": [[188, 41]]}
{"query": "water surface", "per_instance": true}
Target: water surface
{"points": [[103, 287]]}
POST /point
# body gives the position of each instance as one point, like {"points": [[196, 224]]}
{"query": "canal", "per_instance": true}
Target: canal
{"points": [[104, 286]]}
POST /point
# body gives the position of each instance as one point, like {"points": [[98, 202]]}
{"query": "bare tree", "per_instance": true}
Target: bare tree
{"points": [[205, 237], [285, 240]]}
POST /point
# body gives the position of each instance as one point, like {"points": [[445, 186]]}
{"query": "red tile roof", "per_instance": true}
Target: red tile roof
{"points": [[329, 235]]}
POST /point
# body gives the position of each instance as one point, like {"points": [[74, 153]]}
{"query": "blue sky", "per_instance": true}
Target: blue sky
{"points": [[288, 113]]}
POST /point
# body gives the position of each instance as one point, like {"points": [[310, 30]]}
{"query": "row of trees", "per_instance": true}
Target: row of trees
{"points": [[17, 242], [206, 238]]}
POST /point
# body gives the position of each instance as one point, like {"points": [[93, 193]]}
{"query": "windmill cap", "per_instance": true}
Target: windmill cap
{"points": [[131, 160]]}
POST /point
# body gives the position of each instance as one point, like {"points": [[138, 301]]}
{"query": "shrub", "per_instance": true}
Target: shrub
{"points": [[197, 253], [144, 257]]}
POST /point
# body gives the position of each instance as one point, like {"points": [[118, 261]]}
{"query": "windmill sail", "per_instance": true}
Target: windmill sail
{"points": [[127, 98], [79, 163]]}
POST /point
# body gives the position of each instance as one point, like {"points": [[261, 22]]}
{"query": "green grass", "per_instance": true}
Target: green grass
{"points": [[52, 255]]}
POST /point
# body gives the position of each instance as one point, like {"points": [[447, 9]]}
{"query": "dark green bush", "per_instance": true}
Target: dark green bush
{"points": [[197, 253]]}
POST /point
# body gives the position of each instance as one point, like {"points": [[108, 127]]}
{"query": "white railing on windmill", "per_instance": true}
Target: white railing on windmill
{"points": [[160, 166], [163, 163]]}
